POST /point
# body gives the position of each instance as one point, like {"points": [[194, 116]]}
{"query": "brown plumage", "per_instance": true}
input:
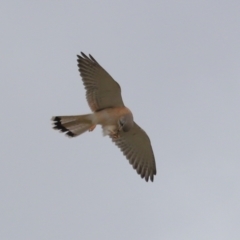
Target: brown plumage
{"points": [[103, 95]]}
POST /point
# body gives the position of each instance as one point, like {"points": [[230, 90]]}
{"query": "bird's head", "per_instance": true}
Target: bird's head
{"points": [[126, 122]]}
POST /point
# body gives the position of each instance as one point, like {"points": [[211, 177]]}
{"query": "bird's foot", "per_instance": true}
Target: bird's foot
{"points": [[115, 135]]}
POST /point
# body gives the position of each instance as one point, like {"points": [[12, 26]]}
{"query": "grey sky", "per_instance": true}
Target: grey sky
{"points": [[178, 66]]}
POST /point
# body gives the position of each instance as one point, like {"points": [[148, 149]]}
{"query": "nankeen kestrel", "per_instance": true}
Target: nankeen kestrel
{"points": [[108, 110]]}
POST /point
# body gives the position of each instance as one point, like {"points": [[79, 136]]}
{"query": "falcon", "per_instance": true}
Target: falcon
{"points": [[104, 98]]}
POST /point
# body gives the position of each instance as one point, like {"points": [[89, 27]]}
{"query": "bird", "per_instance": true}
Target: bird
{"points": [[104, 98]]}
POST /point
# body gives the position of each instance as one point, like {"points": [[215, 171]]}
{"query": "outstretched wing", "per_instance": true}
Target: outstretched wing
{"points": [[102, 90], [136, 146]]}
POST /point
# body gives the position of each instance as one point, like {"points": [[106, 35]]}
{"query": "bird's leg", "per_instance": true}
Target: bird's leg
{"points": [[91, 128]]}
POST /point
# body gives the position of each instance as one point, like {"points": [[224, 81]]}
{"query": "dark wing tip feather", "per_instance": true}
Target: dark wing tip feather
{"points": [[84, 61], [152, 178], [92, 58], [83, 56]]}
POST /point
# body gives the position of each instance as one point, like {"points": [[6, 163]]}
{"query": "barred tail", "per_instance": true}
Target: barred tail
{"points": [[73, 125]]}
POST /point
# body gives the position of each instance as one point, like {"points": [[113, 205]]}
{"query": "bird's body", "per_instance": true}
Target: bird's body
{"points": [[109, 116], [109, 119], [104, 98]]}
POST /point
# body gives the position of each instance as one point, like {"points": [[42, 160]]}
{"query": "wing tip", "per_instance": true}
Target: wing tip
{"points": [[151, 178], [83, 56]]}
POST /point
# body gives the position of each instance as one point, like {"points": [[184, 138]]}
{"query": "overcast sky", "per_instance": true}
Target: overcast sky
{"points": [[178, 64]]}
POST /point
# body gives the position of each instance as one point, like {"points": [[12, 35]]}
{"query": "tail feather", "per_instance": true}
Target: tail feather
{"points": [[72, 125]]}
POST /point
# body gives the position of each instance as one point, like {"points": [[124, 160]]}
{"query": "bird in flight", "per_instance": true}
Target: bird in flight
{"points": [[104, 98]]}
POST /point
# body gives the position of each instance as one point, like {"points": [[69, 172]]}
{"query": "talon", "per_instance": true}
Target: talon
{"points": [[91, 128], [115, 135]]}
